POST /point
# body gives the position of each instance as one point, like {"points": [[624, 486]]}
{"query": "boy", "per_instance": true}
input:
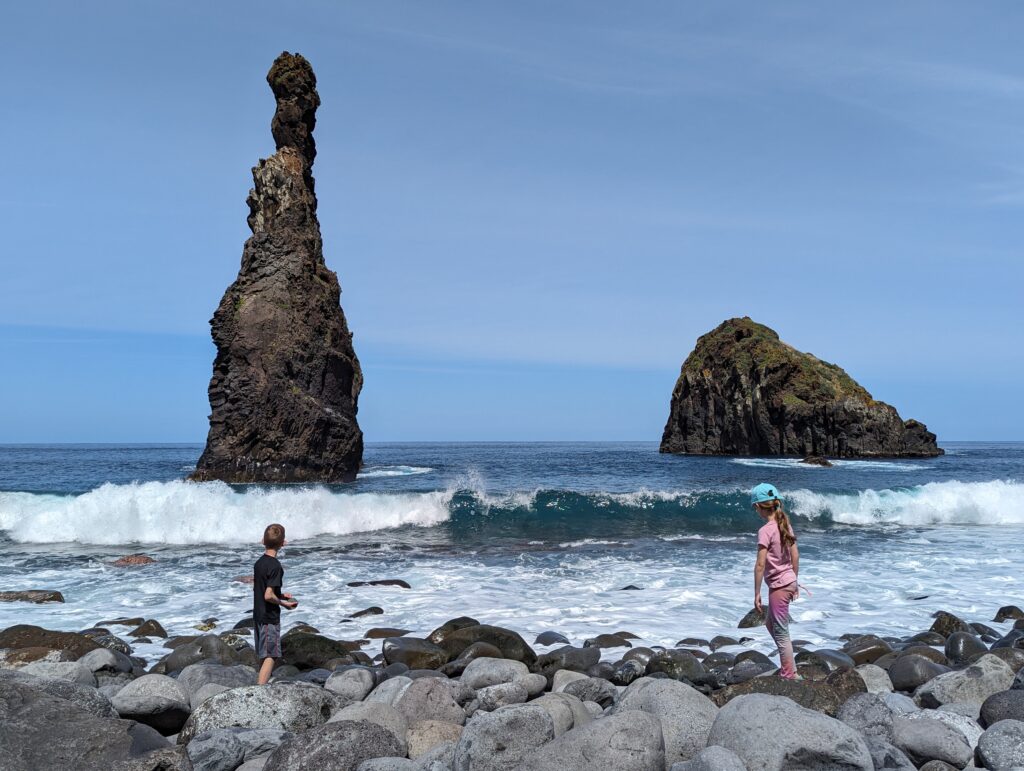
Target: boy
{"points": [[267, 601]]}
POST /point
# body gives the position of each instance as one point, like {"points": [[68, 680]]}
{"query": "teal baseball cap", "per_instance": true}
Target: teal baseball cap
{"points": [[763, 493]]}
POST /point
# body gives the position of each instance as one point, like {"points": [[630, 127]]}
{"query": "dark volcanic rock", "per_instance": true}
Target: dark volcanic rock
{"points": [[946, 624], [311, 651], [25, 636], [414, 653], [752, 619], [744, 392], [37, 596], [817, 460], [286, 380], [824, 696]]}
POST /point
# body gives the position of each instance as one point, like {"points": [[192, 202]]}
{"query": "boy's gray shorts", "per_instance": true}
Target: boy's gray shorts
{"points": [[268, 641]]}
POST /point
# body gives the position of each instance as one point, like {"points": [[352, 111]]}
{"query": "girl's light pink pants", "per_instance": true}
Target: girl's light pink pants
{"points": [[777, 621]]}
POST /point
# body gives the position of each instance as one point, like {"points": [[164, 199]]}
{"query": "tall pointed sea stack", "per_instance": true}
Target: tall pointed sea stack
{"points": [[286, 379], [745, 392]]}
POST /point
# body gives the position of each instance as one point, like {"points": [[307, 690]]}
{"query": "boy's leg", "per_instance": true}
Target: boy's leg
{"points": [[266, 668]]}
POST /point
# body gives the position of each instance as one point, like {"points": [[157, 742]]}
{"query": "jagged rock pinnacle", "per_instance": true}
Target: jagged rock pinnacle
{"points": [[286, 380]]}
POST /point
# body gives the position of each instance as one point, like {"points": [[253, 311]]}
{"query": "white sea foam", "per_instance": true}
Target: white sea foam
{"points": [[967, 503], [393, 471], [211, 512]]}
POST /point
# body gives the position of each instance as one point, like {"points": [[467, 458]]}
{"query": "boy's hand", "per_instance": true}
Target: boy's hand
{"points": [[286, 595], [289, 604]]}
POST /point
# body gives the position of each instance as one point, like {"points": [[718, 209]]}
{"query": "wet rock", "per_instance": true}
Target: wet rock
{"points": [[752, 619], [500, 740], [746, 670], [626, 671], [394, 582], [1002, 745], [928, 638], [772, 733], [41, 731], [927, 652], [511, 645], [383, 715], [602, 670], [383, 632], [440, 634], [631, 588], [209, 648], [1007, 613], [281, 706], [817, 460], [567, 657], [414, 653], [133, 559], [677, 664], [755, 656], [720, 641], [974, 684], [37, 596], [483, 672], [429, 699], [833, 659], [923, 740], [1005, 705], [910, 672], [946, 624], [23, 636], [425, 735], [693, 642], [551, 638], [627, 741], [822, 696], [340, 746], [563, 677], [985, 632], [1012, 639], [607, 641], [306, 650], [962, 647], [685, 714], [475, 651], [373, 610], [286, 380], [592, 689], [150, 628], [867, 650]]}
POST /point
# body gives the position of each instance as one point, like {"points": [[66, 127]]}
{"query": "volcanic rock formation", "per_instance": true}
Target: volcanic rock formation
{"points": [[286, 379], [745, 392]]}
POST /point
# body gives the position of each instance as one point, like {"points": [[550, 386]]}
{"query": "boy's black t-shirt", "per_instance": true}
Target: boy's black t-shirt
{"points": [[266, 572]]}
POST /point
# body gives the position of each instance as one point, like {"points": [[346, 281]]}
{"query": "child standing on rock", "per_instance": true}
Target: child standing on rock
{"points": [[267, 601], [778, 562]]}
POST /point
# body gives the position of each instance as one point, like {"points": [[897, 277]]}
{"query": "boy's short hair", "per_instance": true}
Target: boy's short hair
{"points": [[273, 536]]}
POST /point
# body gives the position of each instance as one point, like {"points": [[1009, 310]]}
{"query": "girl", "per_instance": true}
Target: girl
{"points": [[778, 562]]}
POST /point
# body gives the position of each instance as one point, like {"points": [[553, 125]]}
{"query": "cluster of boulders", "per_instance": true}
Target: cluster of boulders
{"points": [[475, 697]]}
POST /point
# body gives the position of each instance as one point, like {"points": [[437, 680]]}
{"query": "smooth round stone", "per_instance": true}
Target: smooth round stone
{"points": [[1005, 705], [962, 647], [756, 656], [909, 672], [928, 653], [626, 671], [1012, 639], [927, 638], [719, 659], [1008, 612], [827, 657], [551, 638], [867, 650], [720, 641], [985, 632], [693, 642], [886, 661], [677, 664], [643, 655], [602, 669]]}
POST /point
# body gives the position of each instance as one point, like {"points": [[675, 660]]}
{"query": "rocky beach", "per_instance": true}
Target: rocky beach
{"points": [[470, 696]]}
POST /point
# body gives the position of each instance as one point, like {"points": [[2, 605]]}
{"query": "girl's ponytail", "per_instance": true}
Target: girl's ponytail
{"points": [[786, 534]]}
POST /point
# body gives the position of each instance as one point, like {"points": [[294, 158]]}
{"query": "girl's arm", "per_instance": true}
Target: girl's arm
{"points": [[794, 557], [762, 554]]}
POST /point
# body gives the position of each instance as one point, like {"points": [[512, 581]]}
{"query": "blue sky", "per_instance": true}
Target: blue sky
{"points": [[534, 209]]}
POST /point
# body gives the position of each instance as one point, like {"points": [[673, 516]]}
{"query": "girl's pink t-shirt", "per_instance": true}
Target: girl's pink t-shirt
{"points": [[778, 569]]}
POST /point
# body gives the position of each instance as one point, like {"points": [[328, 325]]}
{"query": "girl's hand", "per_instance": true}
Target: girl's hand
{"points": [[796, 593], [757, 603]]}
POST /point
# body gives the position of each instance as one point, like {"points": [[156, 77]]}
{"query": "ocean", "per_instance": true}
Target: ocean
{"points": [[533, 537]]}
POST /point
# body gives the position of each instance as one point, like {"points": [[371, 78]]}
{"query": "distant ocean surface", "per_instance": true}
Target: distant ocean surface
{"points": [[528, 536]]}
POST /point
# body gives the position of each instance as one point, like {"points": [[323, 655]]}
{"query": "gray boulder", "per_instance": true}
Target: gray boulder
{"points": [[593, 689], [428, 698], [563, 677], [209, 647], [494, 696], [533, 683], [713, 758], [440, 758], [425, 735], [340, 746], [156, 700], [283, 706], [685, 714], [886, 756], [106, 660], [868, 714], [216, 750], [974, 684], [483, 672], [353, 684], [899, 703], [388, 764], [384, 715], [909, 672], [924, 739], [40, 731], [774, 733], [967, 726], [500, 740], [74, 671], [567, 712], [193, 677], [627, 741], [208, 691], [1001, 747], [389, 691], [89, 699], [875, 678]]}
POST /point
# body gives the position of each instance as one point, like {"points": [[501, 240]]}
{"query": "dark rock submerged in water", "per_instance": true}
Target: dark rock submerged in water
{"points": [[742, 391], [286, 380]]}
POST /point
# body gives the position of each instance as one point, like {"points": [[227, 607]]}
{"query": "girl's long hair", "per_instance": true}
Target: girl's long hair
{"points": [[786, 534]]}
